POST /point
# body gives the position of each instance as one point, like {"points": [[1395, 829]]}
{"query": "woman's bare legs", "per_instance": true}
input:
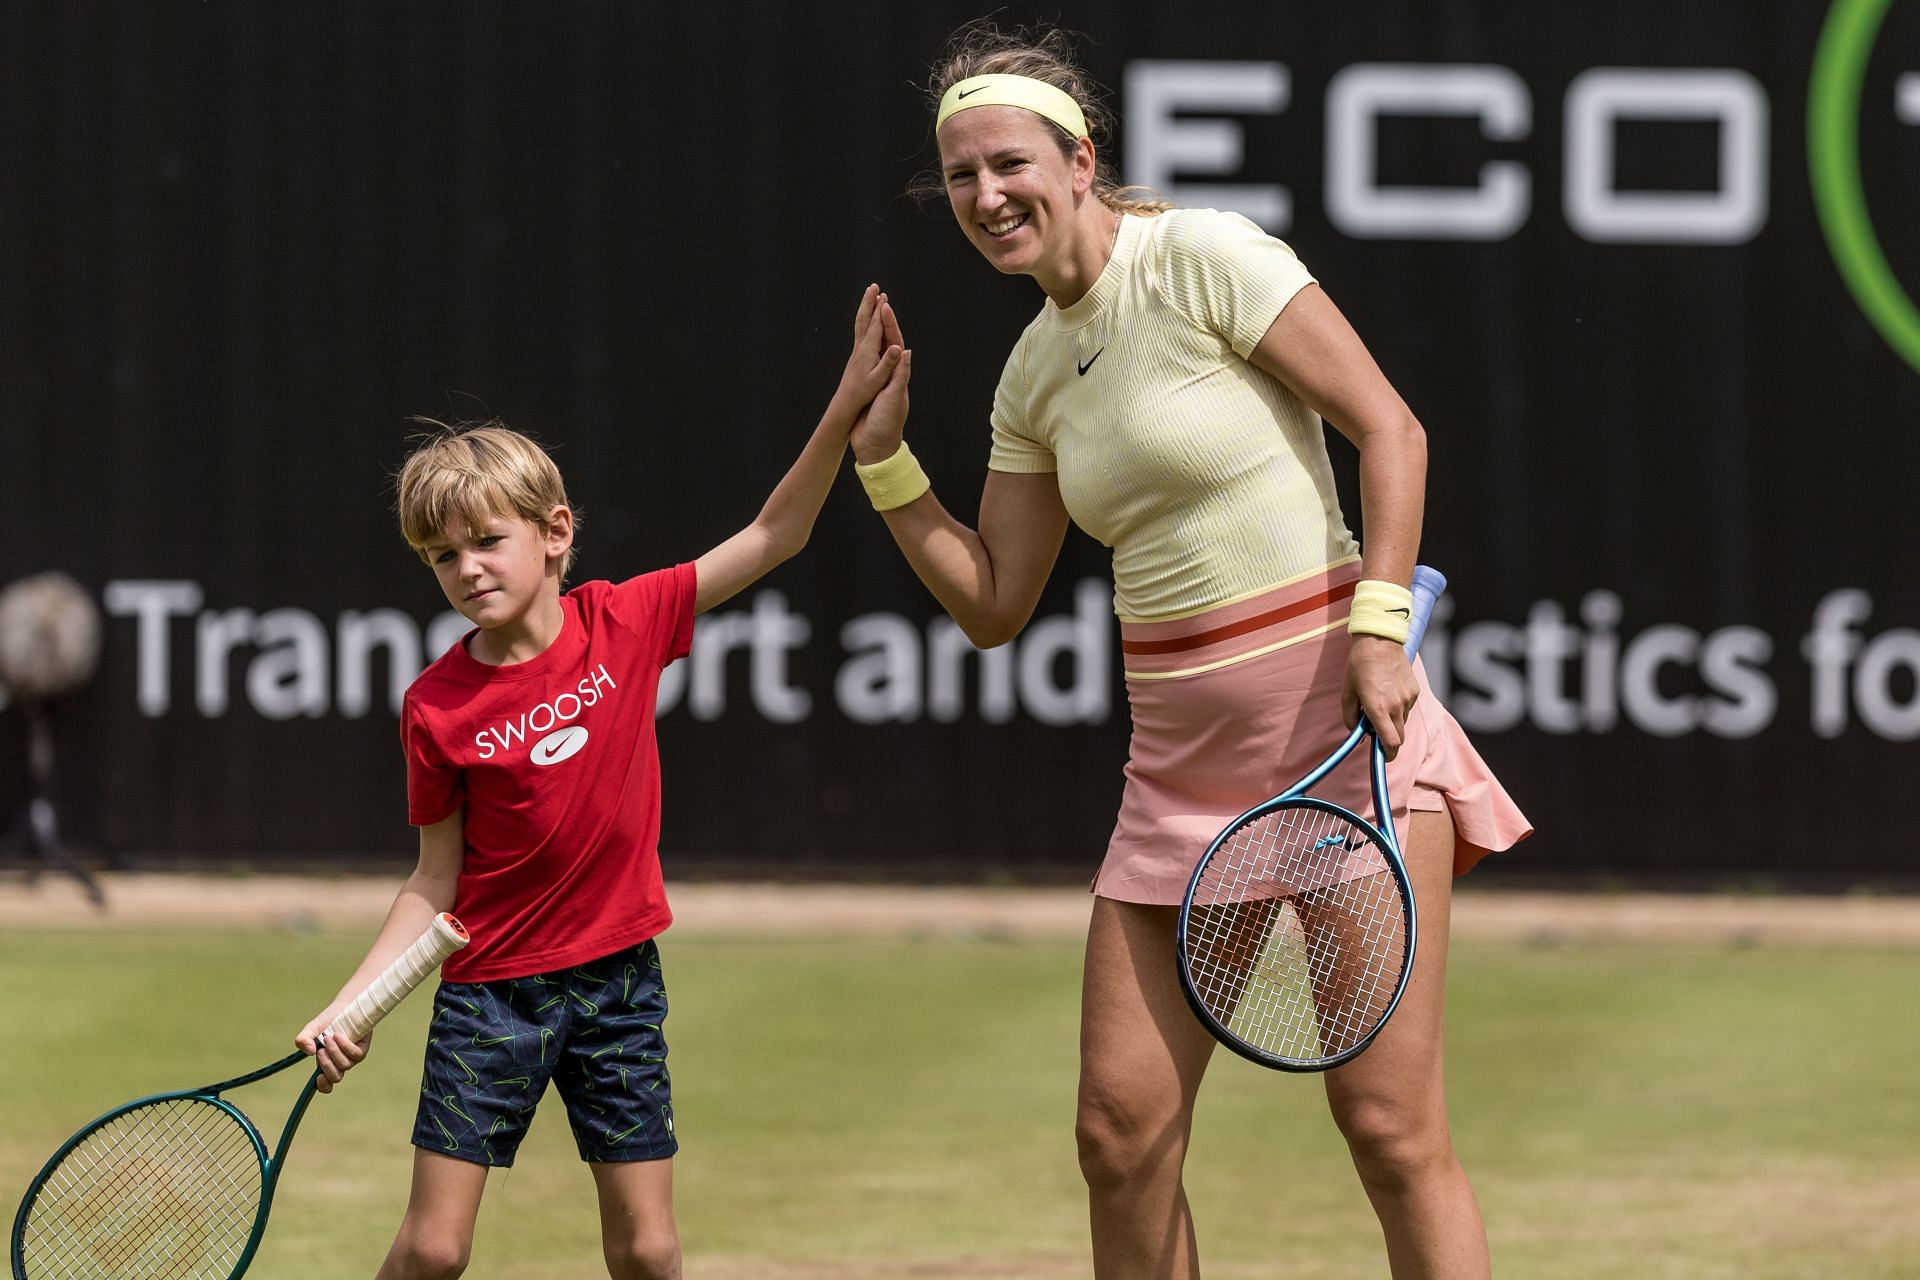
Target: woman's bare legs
{"points": [[1142, 1053], [1391, 1104]]}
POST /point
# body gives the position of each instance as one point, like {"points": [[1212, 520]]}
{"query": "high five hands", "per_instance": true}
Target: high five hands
{"points": [[873, 388]]}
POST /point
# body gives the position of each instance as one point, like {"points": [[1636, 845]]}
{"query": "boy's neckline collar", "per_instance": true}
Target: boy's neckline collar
{"points": [[473, 667]]}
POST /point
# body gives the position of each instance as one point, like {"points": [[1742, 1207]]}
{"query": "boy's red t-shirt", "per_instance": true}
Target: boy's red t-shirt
{"points": [[556, 761]]}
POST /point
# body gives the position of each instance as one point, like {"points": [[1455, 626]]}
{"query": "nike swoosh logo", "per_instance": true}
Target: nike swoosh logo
{"points": [[1405, 613], [558, 745], [965, 93], [1089, 364]]}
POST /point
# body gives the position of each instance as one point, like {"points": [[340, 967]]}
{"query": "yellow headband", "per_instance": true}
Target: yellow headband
{"points": [[1033, 95]]}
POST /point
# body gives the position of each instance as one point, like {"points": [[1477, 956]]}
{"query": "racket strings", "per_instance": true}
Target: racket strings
{"points": [[168, 1191], [1297, 939]]}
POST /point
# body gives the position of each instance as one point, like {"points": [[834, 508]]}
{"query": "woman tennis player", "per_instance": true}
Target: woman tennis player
{"points": [[1168, 399]]}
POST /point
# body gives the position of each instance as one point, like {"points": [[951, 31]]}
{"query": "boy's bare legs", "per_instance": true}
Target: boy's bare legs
{"points": [[1142, 1054], [1391, 1104], [636, 1219], [436, 1236]]}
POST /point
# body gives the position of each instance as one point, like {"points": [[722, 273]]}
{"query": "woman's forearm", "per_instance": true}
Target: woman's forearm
{"points": [[988, 580], [1393, 482]]}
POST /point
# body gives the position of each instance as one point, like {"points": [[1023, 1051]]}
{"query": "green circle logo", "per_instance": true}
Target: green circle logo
{"points": [[1833, 159]]}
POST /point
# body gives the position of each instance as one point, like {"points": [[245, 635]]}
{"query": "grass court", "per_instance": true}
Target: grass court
{"points": [[866, 1106]]}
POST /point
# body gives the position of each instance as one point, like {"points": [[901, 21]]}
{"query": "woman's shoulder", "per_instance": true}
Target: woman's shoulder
{"points": [[1188, 233], [1036, 330]]}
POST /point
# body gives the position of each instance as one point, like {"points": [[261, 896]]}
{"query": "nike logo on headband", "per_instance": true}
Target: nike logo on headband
{"points": [[964, 93], [1089, 364]]}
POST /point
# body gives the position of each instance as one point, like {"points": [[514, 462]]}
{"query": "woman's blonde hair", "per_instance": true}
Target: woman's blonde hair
{"points": [[981, 48], [470, 473]]}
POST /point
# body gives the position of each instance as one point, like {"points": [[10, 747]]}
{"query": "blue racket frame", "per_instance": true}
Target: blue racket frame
{"points": [[1428, 584]]}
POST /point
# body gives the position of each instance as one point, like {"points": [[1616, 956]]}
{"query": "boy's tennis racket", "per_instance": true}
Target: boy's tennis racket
{"points": [[177, 1186], [1297, 930]]}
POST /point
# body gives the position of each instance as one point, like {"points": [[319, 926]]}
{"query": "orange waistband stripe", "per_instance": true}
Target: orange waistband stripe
{"points": [[1285, 615], [1232, 630]]}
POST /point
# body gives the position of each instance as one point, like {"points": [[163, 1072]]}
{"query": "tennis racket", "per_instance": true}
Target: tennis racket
{"points": [[177, 1186], [1297, 930]]}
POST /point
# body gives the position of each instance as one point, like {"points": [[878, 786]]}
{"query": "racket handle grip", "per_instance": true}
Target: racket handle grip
{"points": [[414, 966], [1428, 585]]}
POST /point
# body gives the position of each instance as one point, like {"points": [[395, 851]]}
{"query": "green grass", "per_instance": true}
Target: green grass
{"points": [[869, 1108]]}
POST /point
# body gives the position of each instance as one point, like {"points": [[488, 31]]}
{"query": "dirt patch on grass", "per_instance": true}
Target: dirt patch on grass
{"points": [[288, 901]]}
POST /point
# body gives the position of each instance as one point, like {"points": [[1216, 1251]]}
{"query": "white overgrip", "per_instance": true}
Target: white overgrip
{"points": [[414, 966]]}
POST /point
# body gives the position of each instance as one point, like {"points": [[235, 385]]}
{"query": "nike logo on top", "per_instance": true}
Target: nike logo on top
{"points": [[1089, 364], [558, 745], [965, 92]]}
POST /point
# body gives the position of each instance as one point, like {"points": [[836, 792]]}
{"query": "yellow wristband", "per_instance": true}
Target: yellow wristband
{"points": [[894, 481], [1382, 609]]}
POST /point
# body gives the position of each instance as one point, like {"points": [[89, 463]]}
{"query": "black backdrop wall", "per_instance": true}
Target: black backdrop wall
{"points": [[1625, 260]]}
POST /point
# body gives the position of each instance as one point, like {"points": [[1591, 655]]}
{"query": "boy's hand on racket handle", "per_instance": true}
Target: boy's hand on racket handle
{"points": [[876, 356], [335, 1055], [1380, 682]]}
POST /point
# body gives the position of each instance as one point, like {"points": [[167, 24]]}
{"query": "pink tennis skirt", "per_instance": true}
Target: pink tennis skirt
{"points": [[1236, 704]]}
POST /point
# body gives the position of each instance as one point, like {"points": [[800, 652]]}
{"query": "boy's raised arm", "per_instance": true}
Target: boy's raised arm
{"points": [[877, 370]]}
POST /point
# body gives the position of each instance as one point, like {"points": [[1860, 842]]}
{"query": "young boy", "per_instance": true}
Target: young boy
{"points": [[533, 776]]}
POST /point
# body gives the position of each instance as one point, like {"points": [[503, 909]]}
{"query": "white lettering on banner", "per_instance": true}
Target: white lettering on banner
{"points": [[768, 631], [215, 636], [1834, 644], [881, 682], [1084, 642], [886, 677], [1733, 213], [1361, 207], [152, 604], [1601, 611], [442, 634], [289, 676], [1162, 144], [947, 652], [1561, 674], [360, 634], [1733, 664], [1497, 676]]}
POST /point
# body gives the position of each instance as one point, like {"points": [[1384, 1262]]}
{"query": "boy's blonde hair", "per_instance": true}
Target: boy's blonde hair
{"points": [[471, 472]]}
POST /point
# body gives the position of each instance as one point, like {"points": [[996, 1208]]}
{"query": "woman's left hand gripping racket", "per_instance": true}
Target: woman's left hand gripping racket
{"points": [[177, 1186], [1297, 930]]}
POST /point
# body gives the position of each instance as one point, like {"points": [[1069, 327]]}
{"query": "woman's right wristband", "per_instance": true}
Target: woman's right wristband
{"points": [[893, 481]]}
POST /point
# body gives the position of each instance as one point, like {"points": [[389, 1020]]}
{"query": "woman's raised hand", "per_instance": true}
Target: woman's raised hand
{"points": [[877, 430], [875, 357]]}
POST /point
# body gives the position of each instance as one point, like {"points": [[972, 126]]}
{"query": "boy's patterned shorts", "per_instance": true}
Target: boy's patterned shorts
{"points": [[594, 1030]]}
